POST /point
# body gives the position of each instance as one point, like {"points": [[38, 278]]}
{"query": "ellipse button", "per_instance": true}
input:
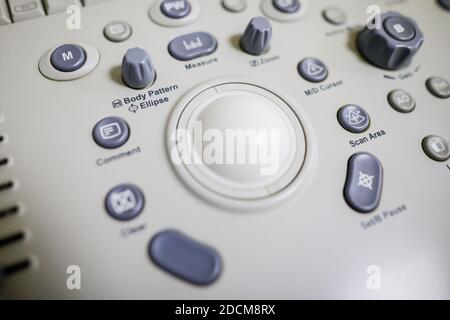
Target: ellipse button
{"points": [[364, 182], [185, 258], [192, 45]]}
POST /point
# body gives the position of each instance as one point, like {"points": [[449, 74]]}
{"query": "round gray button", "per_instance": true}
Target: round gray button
{"points": [[68, 58], [439, 87], [401, 101], [234, 5], [436, 148], [117, 31], [124, 202], [111, 132], [399, 28], [286, 6], [335, 15], [175, 9], [353, 118], [312, 70]]}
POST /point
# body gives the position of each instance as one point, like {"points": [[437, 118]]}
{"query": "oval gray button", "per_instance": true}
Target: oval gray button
{"points": [[185, 258], [364, 182], [192, 45]]}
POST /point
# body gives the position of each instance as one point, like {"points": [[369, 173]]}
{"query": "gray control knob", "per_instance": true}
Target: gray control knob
{"points": [[137, 69], [257, 36], [392, 44]]}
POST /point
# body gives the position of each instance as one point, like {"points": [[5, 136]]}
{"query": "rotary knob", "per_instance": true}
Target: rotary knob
{"points": [[137, 69], [393, 43], [257, 36]]}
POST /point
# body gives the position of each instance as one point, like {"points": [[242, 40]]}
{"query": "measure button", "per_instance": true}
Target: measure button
{"points": [[68, 58], [192, 45]]}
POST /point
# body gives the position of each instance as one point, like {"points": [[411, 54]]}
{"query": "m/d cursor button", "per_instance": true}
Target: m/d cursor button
{"points": [[364, 182]]}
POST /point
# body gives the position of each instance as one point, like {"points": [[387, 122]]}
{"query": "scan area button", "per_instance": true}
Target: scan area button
{"points": [[364, 182], [192, 45], [68, 58], [185, 258]]}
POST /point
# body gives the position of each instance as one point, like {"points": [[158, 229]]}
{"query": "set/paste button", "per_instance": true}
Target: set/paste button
{"points": [[192, 45], [68, 58], [364, 182], [353, 118], [436, 148]]}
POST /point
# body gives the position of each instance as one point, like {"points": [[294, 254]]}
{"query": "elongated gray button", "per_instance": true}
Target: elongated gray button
{"points": [[192, 45], [185, 258], [364, 182]]}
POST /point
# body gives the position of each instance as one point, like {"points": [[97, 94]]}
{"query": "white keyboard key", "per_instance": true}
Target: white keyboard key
{"points": [[26, 9], [4, 13], [56, 6]]}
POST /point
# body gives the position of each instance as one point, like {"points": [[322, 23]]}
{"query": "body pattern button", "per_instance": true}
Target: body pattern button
{"points": [[117, 31], [313, 70], [185, 258], [439, 87], [436, 148], [401, 101], [286, 6], [192, 45], [111, 132], [68, 58], [364, 182], [124, 202], [353, 118], [175, 9]]}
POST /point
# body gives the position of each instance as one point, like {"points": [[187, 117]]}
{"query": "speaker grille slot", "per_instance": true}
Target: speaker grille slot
{"points": [[4, 162], [14, 268], [9, 211], [11, 239], [6, 186]]}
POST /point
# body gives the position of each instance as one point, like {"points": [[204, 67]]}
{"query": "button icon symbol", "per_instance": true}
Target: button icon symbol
{"points": [[314, 69], [365, 180], [355, 117], [285, 3], [193, 44], [438, 146], [67, 56], [116, 29], [399, 28], [175, 9], [123, 201], [175, 5], [117, 103], [110, 131]]}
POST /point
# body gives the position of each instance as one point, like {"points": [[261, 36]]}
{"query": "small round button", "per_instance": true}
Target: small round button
{"points": [[313, 70], [399, 28], [124, 202], [401, 101], [68, 58], [353, 118], [117, 31], [436, 148], [334, 15], [439, 87], [111, 132], [175, 9], [286, 6], [234, 5], [445, 4]]}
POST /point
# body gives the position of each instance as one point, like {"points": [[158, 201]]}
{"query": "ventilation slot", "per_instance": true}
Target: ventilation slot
{"points": [[2, 138], [6, 186], [9, 240], [14, 268], [4, 162], [9, 211]]}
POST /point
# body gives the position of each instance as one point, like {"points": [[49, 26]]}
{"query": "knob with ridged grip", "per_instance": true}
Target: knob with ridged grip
{"points": [[137, 69], [392, 44], [257, 36]]}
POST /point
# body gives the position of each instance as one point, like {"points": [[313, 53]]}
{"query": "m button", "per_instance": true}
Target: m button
{"points": [[68, 58]]}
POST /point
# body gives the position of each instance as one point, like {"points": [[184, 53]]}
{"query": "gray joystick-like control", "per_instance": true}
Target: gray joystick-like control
{"points": [[391, 43], [257, 36], [137, 69]]}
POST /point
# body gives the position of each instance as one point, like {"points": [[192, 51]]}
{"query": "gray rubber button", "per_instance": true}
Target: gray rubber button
{"points": [[68, 58], [353, 118], [257, 36], [445, 4], [234, 5], [401, 101], [124, 202], [439, 87], [137, 69], [185, 258], [175, 9], [399, 28], [334, 15], [364, 182], [111, 132], [192, 45], [313, 70], [117, 31], [286, 6], [436, 148]]}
